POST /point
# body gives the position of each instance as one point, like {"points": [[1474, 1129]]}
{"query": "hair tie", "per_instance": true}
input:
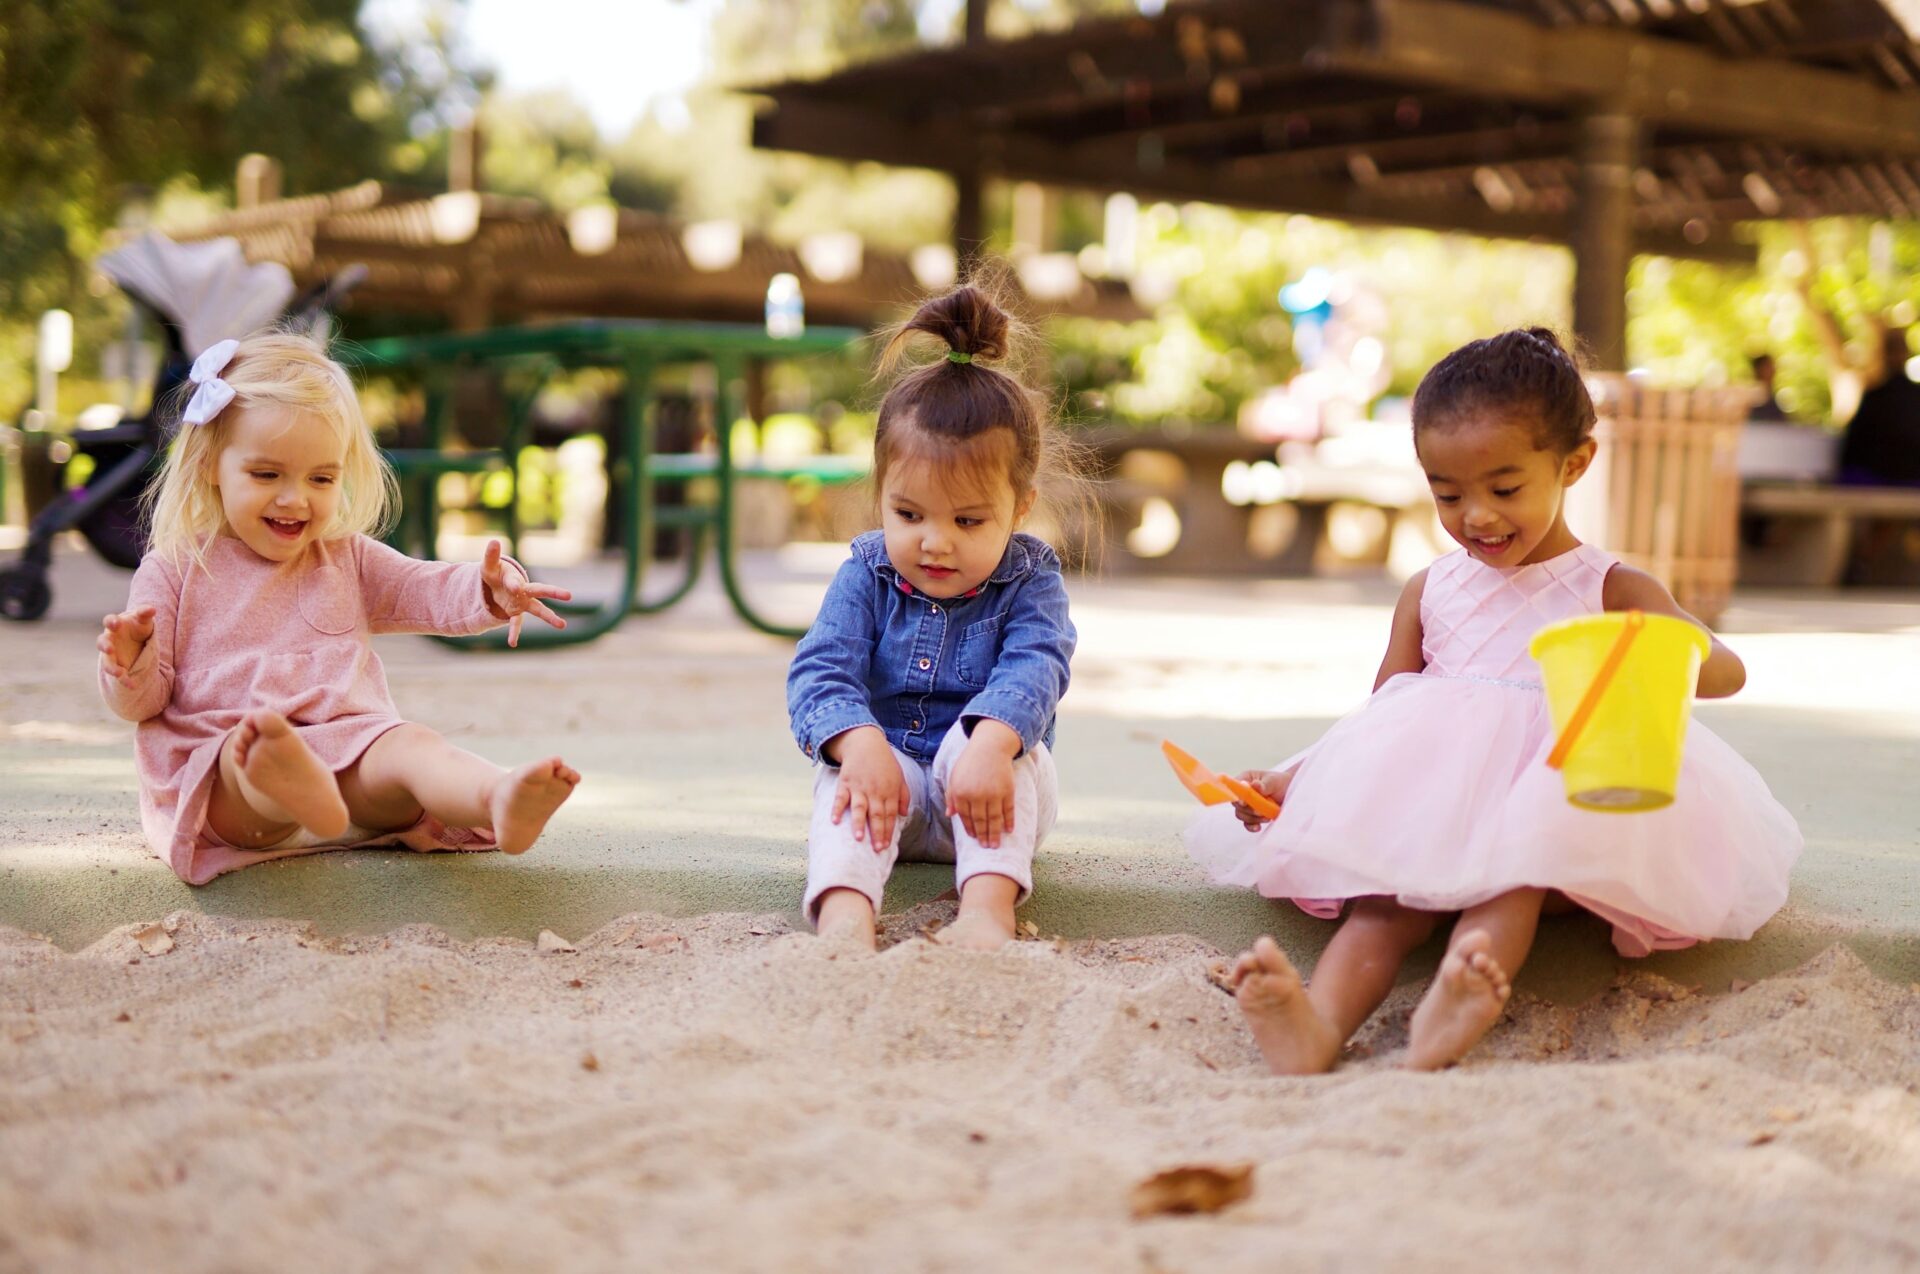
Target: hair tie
{"points": [[955, 356], [210, 393]]}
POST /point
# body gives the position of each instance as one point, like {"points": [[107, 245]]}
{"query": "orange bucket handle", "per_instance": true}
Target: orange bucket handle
{"points": [[1636, 620]]}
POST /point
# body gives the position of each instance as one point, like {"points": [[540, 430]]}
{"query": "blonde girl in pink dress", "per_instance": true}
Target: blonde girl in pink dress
{"points": [[1433, 799], [265, 724]]}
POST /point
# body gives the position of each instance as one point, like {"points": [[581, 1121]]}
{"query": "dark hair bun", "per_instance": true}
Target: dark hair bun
{"points": [[1551, 339], [967, 321]]}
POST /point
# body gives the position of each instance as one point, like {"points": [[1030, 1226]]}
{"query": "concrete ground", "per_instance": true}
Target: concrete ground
{"points": [[696, 800]]}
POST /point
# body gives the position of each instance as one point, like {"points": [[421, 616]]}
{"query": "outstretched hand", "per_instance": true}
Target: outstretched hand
{"points": [[1272, 784], [516, 596], [122, 638]]}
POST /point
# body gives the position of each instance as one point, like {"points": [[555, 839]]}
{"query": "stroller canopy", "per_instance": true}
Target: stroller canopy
{"points": [[207, 290]]}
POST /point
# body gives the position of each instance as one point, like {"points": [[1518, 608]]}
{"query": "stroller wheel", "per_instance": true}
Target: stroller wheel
{"points": [[24, 593]]}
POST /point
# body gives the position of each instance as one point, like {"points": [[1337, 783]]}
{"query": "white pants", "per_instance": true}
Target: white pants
{"points": [[924, 833]]}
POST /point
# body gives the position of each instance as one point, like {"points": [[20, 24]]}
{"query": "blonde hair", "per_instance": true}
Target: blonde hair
{"points": [[277, 369]]}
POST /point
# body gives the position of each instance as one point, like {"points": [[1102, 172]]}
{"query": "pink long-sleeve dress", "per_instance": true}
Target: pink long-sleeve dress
{"points": [[246, 633]]}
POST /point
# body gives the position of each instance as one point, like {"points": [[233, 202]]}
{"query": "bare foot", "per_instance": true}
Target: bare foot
{"points": [[846, 919], [279, 767], [1293, 1038], [1465, 1000], [979, 930], [523, 801]]}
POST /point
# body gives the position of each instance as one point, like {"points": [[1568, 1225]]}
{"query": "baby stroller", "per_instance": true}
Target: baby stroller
{"points": [[198, 293]]}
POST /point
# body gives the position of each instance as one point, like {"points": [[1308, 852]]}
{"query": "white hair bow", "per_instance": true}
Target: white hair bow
{"points": [[210, 393]]}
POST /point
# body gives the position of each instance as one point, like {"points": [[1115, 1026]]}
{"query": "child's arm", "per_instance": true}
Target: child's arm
{"points": [[1036, 652], [136, 645], [405, 595], [1404, 640], [827, 691], [831, 712], [1009, 716], [1628, 588]]}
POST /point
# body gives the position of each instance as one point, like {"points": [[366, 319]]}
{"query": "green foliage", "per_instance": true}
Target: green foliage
{"points": [[1695, 324], [1222, 336], [105, 104]]}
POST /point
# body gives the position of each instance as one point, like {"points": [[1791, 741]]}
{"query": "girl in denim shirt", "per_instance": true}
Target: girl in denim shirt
{"points": [[925, 691]]}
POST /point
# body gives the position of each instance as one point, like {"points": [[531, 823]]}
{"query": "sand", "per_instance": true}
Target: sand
{"points": [[724, 1094]]}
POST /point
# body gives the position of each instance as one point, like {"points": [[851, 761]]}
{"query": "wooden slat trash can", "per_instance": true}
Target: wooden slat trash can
{"points": [[1664, 490]]}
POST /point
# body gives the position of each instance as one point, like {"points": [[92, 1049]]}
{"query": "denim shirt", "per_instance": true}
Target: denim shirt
{"points": [[883, 654]]}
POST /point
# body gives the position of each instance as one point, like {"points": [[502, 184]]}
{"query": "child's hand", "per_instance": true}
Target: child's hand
{"points": [[1272, 784], [516, 596], [871, 786], [980, 787], [122, 638]]}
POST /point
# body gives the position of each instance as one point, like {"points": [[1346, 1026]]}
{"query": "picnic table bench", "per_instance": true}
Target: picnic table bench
{"points": [[638, 348], [1214, 531], [1805, 534]]}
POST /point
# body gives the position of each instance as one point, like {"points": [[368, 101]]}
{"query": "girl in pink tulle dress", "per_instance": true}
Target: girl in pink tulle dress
{"points": [[1433, 799]]}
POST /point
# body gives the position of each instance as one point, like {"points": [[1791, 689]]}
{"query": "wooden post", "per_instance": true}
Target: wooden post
{"points": [[257, 181], [1603, 235], [977, 21], [969, 216]]}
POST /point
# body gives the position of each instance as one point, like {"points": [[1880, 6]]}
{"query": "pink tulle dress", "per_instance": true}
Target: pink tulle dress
{"points": [[1436, 792]]}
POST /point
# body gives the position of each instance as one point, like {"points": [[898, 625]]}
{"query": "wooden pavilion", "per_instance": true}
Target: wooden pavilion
{"points": [[1614, 126], [477, 259]]}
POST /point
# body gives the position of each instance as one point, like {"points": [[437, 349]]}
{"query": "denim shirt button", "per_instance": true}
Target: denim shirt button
{"points": [[933, 608], [926, 663], [916, 723]]}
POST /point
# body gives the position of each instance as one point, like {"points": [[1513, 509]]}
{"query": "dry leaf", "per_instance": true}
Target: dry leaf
{"points": [[1194, 1187], [551, 942], [1738, 985], [1784, 1115], [124, 1017], [661, 941], [760, 931], [154, 939], [588, 1062], [1029, 928], [576, 983], [1762, 1137]]}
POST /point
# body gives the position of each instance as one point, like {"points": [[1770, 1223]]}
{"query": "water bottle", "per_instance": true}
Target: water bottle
{"points": [[786, 312]]}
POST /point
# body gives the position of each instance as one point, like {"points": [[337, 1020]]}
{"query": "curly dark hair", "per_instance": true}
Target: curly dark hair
{"points": [[1525, 374]]}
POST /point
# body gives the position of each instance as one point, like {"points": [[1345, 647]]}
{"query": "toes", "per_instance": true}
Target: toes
{"points": [[1266, 953]]}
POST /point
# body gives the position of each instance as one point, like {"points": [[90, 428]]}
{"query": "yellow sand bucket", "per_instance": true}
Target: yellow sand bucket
{"points": [[1620, 687]]}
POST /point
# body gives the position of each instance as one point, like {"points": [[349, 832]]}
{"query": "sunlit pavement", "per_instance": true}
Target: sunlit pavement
{"points": [[696, 799]]}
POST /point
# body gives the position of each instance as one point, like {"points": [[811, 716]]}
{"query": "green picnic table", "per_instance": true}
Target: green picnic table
{"points": [[638, 348]]}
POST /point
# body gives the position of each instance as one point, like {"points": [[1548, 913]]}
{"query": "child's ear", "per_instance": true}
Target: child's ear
{"points": [[1577, 462], [1025, 506]]}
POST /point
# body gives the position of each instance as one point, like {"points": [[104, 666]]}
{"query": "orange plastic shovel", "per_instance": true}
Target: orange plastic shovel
{"points": [[1213, 787]]}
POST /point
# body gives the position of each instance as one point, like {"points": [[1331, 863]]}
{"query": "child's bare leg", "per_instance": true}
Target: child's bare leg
{"points": [[1300, 1031], [985, 922], [411, 769], [1488, 946], [846, 916], [269, 783]]}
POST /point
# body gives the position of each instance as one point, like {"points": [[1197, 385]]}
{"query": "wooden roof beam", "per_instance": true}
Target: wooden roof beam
{"points": [[839, 132], [1467, 47]]}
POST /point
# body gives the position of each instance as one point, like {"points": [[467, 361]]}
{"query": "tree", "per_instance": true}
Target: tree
{"points": [[104, 103]]}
